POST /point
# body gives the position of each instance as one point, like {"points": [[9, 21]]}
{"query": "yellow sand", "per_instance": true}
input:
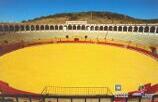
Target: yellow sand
{"points": [[33, 68]]}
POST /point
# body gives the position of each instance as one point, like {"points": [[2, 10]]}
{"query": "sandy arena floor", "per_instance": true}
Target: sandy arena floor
{"points": [[33, 68]]}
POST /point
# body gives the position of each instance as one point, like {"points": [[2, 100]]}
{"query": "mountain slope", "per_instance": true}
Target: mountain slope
{"points": [[91, 17]]}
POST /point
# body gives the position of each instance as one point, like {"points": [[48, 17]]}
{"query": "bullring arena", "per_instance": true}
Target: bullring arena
{"points": [[78, 62]]}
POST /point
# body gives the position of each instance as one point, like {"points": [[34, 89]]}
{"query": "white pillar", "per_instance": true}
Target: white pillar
{"points": [[122, 28], [30, 27], [138, 28], [112, 28], [149, 28], [94, 27], [89, 28], [49, 26], [127, 28], [117, 28], [58, 27], [98, 28], [64, 28], [143, 28], [132, 28], [44, 27], [76, 27], [107, 28], [25, 28], [34, 27], [156, 29]]}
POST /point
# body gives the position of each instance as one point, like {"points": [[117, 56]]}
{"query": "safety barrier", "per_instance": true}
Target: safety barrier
{"points": [[5, 48], [59, 98]]}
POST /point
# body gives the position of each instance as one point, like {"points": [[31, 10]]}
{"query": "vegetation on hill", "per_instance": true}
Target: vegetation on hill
{"points": [[90, 17]]}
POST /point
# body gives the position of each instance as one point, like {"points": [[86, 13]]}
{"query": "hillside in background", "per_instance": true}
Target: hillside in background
{"points": [[91, 17]]}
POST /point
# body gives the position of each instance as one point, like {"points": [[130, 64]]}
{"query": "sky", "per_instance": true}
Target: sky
{"points": [[18, 10]]}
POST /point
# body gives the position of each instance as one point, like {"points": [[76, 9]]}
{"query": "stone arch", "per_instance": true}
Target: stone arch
{"points": [[92, 27], [157, 30], [69, 27], [101, 28], [46, 27], [51, 27], [130, 29], [120, 28], [60, 27], [10, 28], [1, 28], [105, 28], [152, 29], [27, 28], [83, 27], [78, 27], [96, 28], [110, 28], [22, 28], [17, 28], [37, 27], [125, 28], [74, 27], [42, 27], [32, 27], [146, 29], [141, 29], [135, 29], [115, 28]]}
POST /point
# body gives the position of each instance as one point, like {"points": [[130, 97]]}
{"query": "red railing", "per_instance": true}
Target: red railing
{"points": [[6, 48]]}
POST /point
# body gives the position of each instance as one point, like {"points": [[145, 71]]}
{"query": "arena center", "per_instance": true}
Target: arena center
{"points": [[78, 62]]}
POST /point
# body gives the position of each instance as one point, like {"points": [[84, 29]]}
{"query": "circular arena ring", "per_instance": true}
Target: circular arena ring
{"points": [[75, 55], [94, 67]]}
